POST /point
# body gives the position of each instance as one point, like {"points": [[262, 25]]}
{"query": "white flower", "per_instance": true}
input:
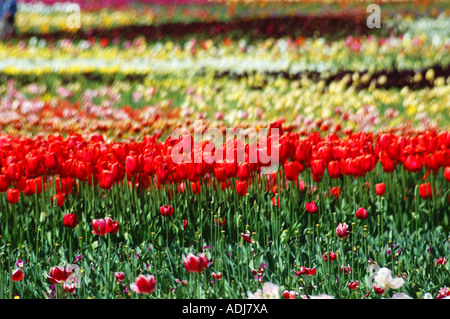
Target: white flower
{"points": [[401, 295], [427, 296], [269, 291], [383, 278]]}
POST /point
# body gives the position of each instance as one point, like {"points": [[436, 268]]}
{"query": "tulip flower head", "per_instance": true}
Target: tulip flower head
{"points": [[246, 237], [380, 189], [311, 207], [361, 213], [105, 226], [166, 210], [342, 230], [17, 275], [353, 285], [120, 276], [144, 284], [70, 220], [194, 263]]}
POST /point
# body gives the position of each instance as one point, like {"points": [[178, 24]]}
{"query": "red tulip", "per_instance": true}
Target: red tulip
{"points": [[380, 189], [59, 199], [58, 274], [120, 276], [195, 263], [13, 195], [361, 213], [243, 171], [4, 183], [17, 275], [311, 207], [425, 190], [241, 188], [378, 290], [132, 165], [306, 271], [447, 173], [220, 222], [353, 285], [329, 257], [144, 284], [292, 170], [289, 294], [414, 163], [70, 220], [166, 210], [69, 288], [103, 227], [346, 270], [217, 276], [336, 192], [184, 223], [246, 237], [342, 230], [333, 169]]}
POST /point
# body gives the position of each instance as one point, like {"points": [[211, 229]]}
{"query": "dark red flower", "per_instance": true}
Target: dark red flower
{"points": [[70, 220], [166, 210]]}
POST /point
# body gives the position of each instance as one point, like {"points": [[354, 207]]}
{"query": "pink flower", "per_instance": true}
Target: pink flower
{"points": [[342, 230]]}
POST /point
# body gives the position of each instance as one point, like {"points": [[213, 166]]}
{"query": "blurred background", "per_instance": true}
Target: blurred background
{"points": [[130, 68]]}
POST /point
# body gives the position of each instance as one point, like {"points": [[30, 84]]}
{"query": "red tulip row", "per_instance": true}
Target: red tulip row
{"points": [[28, 164]]}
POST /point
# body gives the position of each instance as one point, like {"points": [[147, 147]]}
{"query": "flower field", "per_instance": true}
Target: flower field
{"points": [[218, 149]]}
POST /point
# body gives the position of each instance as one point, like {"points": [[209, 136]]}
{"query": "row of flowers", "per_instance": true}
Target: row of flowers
{"points": [[127, 109], [380, 281], [94, 161], [288, 54]]}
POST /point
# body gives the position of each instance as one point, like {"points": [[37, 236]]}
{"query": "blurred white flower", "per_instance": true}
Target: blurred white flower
{"points": [[401, 295], [269, 291], [427, 296]]}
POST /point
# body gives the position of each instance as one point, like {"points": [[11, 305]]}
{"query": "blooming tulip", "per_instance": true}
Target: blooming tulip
{"points": [[342, 230], [17, 275], [144, 284], [166, 210], [195, 263]]}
